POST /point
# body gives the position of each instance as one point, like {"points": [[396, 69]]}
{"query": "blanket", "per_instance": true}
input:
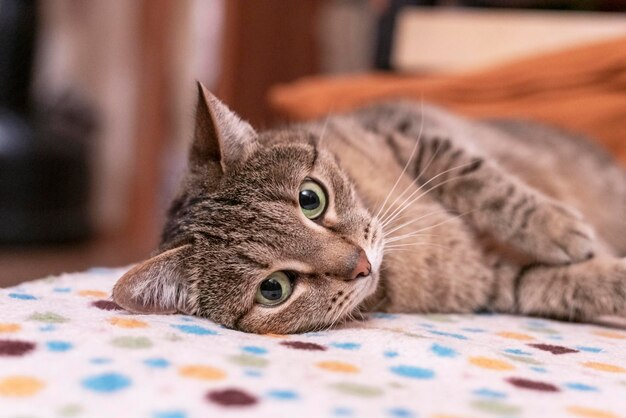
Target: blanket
{"points": [[66, 350]]}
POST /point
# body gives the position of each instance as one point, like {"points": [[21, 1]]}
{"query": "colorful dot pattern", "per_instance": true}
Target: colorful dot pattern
{"points": [[67, 350]]}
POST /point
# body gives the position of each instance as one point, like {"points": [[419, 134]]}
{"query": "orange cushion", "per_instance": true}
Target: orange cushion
{"points": [[581, 89]]}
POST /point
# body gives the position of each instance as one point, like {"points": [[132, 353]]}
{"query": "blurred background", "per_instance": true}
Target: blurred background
{"points": [[97, 96]]}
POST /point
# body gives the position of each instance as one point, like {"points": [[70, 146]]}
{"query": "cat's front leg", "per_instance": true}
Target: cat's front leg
{"points": [[495, 202], [582, 292]]}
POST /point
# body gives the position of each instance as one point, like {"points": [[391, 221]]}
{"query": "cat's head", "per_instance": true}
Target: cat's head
{"points": [[267, 234]]}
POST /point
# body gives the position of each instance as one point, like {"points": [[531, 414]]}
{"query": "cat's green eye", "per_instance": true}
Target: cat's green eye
{"points": [[312, 199], [273, 290]]}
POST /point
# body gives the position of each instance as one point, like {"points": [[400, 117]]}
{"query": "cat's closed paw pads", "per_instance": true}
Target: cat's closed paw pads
{"points": [[559, 235]]}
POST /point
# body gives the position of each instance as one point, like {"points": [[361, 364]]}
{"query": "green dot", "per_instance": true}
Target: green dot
{"points": [[132, 342], [548, 331], [495, 407], [70, 410], [522, 359], [48, 317], [247, 360], [171, 336], [356, 389]]}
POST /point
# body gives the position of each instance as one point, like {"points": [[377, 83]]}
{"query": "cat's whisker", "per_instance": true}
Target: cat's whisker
{"points": [[387, 234], [419, 176], [408, 162], [409, 201], [444, 222], [321, 138], [406, 236]]}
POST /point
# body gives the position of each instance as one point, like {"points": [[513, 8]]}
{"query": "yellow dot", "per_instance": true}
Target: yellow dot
{"points": [[6, 327], [491, 363], [127, 322], [202, 372], [611, 334], [515, 336], [338, 366], [93, 293], [20, 386], [582, 411], [605, 367]]}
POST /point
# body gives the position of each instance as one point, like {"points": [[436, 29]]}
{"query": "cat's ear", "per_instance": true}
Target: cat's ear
{"points": [[155, 286], [220, 136]]}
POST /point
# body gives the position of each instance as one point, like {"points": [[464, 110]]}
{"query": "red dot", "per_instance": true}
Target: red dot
{"points": [[231, 397], [15, 347]]}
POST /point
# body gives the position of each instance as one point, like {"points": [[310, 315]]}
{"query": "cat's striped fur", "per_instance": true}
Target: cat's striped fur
{"points": [[453, 215]]}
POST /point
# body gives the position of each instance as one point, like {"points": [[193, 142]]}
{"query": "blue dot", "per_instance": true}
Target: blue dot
{"points": [[488, 393], [342, 412], [538, 369], [286, 395], [62, 289], [582, 387], [390, 354], [100, 360], [253, 373], [425, 325], [194, 329], [22, 296], [382, 315], [449, 334], [156, 363], [475, 330], [186, 319], [413, 372], [347, 346], [443, 351], [58, 346], [47, 328], [106, 383], [517, 351], [589, 349], [555, 337], [400, 413], [252, 349], [169, 414]]}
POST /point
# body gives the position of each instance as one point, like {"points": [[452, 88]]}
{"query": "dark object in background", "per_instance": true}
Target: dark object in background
{"points": [[44, 171], [587, 5], [386, 26]]}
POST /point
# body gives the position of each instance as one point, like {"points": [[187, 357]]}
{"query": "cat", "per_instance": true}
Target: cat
{"points": [[395, 207]]}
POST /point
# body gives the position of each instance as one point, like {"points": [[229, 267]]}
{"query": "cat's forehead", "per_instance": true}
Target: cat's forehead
{"points": [[285, 159]]}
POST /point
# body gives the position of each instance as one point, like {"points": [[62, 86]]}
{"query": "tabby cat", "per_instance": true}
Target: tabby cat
{"points": [[396, 207]]}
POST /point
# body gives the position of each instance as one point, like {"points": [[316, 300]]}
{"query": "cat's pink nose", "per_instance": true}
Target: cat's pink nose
{"points": [[363, 267]]}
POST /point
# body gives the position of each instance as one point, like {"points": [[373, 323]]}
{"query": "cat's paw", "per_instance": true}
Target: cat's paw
{"points": [[557, 234]]}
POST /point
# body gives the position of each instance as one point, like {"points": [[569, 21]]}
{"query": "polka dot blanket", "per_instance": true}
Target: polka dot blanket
{"points": [[66, 350]]}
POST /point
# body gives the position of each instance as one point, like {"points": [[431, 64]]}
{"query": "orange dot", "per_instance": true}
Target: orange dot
{"points": [[491, 363], [7, 327], [202, 372], [338, 366], [20, 386], [585, 412], [127, 322], [605, 367], [515, 336], [610, 334], [274, 335], [93, 293]]}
